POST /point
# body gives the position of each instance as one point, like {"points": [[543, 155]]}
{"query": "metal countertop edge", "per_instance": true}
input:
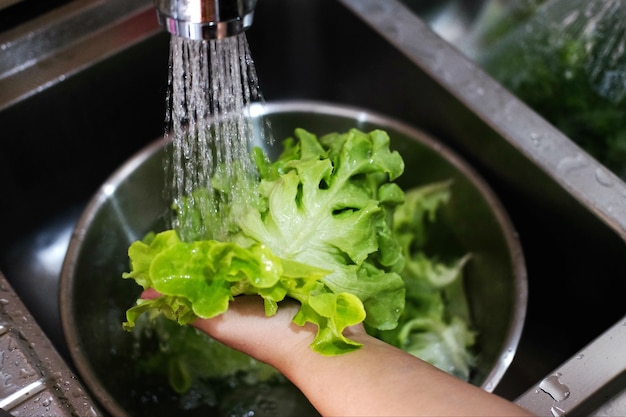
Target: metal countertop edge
{"points": [[50, 49], [38, 377], [582, 379]]}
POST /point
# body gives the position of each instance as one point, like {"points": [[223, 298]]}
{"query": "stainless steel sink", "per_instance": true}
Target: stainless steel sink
{"points": [[90, 96]]}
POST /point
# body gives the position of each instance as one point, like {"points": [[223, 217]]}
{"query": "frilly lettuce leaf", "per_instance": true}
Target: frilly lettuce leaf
{"points": [[326, 225], [327, 205], [319, 232], [435, 324]]}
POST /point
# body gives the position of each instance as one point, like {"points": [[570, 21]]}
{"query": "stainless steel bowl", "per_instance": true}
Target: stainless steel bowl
{"points": [[93, 297]]}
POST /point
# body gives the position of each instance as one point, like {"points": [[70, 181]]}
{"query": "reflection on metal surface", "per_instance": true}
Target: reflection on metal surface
{"points": [[49, 49], [22, 394], [205, 19]]}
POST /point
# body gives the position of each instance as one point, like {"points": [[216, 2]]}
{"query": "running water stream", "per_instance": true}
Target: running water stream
{"points": [[212, 89], [211, 86]]}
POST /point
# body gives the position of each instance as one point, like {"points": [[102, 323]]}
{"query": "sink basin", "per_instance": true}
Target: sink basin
{"points": [[71, 116]]}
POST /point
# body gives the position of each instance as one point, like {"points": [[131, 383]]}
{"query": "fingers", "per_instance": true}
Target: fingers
{"points": [[149, 294], [242, 316]]}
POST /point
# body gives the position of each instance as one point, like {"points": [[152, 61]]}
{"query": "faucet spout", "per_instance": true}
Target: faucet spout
{"points": [[205, 19]]}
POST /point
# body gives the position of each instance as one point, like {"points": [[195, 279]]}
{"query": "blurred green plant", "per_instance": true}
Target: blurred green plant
{"points": [[565, 59]]}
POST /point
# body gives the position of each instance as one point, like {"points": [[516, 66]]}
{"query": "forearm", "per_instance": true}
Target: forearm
{"points": [[381, 380], [378, 379]]}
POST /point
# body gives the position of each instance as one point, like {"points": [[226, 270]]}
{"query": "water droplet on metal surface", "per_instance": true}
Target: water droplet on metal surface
{"points": [[24, 373], [557, 412], [603, 177], [555, 388], [572, 163], [535, 138]]}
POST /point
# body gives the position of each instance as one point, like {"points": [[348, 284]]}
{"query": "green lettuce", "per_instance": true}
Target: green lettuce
{"points": [[435, 324], [326, 225], [318, 229]]}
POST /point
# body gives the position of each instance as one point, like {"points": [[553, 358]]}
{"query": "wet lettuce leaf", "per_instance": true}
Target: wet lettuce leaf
{"points": [[435, 324], [326, 202], [327, 227]]}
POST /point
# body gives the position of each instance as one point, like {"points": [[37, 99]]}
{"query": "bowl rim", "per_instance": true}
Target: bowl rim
{"points": [[514, 248]]}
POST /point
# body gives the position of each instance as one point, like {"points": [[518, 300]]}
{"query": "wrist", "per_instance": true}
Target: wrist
{"points": [[294, 354]]}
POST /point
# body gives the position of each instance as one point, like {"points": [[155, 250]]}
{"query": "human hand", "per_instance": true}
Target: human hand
{"points": [[245, 327]]}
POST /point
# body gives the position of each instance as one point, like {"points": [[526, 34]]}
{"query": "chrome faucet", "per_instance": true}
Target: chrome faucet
{"points": [[205, 19]]}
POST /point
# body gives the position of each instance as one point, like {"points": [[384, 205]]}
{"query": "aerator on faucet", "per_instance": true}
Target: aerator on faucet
{"points": [[205, 19]]}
